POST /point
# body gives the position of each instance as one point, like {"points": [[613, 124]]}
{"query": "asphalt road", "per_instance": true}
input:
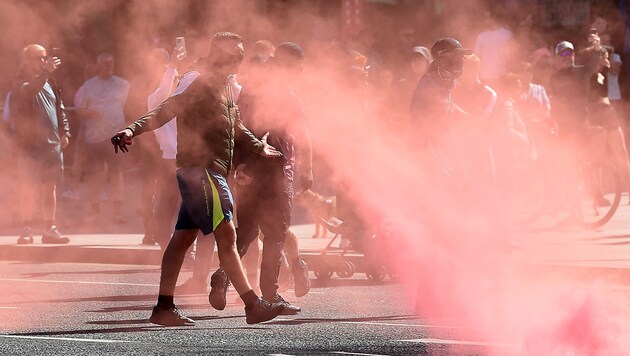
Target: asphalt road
{"points": [[95, 309]]}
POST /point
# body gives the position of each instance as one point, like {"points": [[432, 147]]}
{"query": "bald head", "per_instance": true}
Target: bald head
{"points": [[33, 50], [33, 58]]}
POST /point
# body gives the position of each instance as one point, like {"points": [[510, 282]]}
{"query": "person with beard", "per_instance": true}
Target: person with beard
{"points": [[265, 186], [208, 125]]}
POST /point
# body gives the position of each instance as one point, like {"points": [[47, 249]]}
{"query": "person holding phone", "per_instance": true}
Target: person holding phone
{"points": [[40, 133]]}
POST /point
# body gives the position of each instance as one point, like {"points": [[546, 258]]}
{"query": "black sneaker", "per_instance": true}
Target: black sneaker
{"points": [[219, 283], [289, 309], [170, 317], [301, 280], [261, 311], [53, 236], [26, 236]]}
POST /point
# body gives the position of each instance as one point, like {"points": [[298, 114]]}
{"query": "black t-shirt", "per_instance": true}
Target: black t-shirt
{"points": [[569, 90], [598, 85]]}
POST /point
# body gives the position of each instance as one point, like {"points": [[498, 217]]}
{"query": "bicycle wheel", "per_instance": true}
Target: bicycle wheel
{"points": [[600, 194]]}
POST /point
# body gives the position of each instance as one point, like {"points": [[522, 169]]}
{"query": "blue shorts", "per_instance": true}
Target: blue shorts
{"points": [[206, 199]]}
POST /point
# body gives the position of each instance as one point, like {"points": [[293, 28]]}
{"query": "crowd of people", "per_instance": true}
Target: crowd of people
{"points": [[226, 135]]}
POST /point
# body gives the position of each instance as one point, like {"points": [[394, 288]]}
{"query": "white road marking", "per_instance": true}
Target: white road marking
{"points": [[77, 282], [406, 325], [62, 339], [9, 307], [459, 342], [354, 353]]}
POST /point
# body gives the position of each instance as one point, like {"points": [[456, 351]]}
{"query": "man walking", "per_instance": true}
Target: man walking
{"points": [[208, 125], [264, 202]]}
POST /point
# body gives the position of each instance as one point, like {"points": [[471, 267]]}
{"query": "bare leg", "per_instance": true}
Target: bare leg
{"points": [[203, 257], [291, 247], [229, 259], [173, 259]]}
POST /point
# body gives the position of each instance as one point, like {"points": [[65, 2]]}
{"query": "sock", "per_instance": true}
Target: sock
{"points": [[165, 301], [249, 298], [296, 263], [49, 224]]}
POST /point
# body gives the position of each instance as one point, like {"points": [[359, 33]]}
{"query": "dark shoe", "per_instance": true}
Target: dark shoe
{"points": [[301, 280], [289, 309], [193, 286], [52, 236], [261, 311], [170, 317], [219, 283], [26, 236]]}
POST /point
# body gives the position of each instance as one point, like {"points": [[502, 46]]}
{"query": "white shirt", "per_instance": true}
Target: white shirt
{"points": [[167, 134], [108, 97]]}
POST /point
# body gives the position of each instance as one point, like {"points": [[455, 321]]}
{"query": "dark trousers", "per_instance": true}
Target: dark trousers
{"points": [[265, 206]]}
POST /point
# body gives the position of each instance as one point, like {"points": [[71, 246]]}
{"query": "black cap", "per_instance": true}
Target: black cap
{"points": [[289, 51], [447, 46]]}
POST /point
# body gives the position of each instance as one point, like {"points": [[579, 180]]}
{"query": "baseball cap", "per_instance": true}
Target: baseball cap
{"points": [[563, 46], [448, 45], [423, 51], [289, 51]]}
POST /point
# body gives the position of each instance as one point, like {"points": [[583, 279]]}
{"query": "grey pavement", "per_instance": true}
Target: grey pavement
{"points": [[578, 249]]}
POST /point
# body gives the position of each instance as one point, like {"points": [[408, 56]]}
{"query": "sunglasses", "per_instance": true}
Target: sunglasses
{"points": [[566, 53]]}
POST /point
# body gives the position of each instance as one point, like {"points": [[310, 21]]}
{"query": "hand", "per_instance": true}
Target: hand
{"points": [[65, 141], [52, 64], [268, 150], [595, 41], [121, 140]]}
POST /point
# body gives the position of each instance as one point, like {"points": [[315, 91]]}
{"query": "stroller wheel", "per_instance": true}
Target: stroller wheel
{"points": [[346, 269], [323, 274], [376, 273]]}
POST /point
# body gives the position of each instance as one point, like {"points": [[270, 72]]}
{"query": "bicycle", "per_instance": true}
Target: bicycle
{"points": [[591, 199]]}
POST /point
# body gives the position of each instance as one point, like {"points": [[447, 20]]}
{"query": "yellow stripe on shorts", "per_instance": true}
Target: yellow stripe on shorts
{"points": [[217, 210]]}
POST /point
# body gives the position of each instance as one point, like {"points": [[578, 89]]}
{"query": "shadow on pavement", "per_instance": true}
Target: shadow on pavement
{"points": [[146, 321], [107, 272], [338, 320]]}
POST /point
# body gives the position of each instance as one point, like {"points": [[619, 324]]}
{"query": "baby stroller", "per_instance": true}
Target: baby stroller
{"points": [[361, 243]]}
